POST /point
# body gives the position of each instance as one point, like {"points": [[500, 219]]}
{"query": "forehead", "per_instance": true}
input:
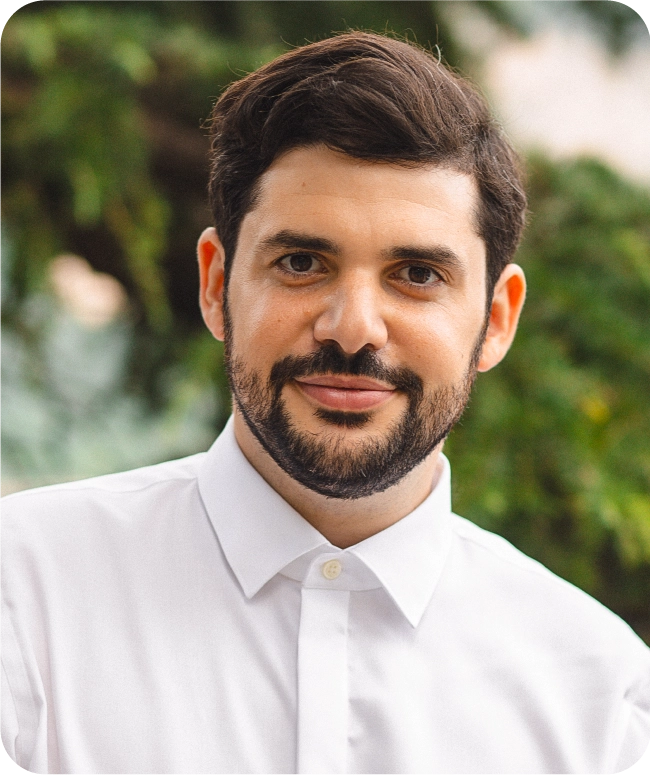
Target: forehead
{"points": [[328, 188]]}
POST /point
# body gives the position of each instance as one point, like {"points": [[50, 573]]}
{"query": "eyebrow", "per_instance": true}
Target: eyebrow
{"points": [[439, 254], [289, 239]]}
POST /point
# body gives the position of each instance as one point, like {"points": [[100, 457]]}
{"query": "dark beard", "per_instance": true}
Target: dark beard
{"points": [[323, 463]]}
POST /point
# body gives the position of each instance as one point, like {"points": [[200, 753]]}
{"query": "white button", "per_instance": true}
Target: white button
{"points": [[331, 569]]}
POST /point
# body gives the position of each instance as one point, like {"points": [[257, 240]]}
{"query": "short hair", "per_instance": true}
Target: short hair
{"points": [[371, 97]]}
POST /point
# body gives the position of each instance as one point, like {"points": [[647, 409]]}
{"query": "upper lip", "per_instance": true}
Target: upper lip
{"points": [[349, 383]]}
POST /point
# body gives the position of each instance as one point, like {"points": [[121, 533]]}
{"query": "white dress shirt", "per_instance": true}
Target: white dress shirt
{"points": [[183, 618]]}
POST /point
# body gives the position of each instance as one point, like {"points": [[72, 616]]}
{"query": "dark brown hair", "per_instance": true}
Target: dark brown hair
{"points": [[372, 97]]}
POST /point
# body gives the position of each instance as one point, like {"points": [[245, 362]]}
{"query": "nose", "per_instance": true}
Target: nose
{"points": [[352, 316]]}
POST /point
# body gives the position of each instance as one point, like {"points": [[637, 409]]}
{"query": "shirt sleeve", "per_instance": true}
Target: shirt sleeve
{"points": [[9, 717], [635, 729], [18, 714]]}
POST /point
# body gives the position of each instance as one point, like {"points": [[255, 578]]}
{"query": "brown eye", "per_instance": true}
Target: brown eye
{"points": [[301, 263], [418, 275]]}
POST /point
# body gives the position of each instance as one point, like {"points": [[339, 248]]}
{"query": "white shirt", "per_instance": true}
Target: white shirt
{"points": [[184, 618]]}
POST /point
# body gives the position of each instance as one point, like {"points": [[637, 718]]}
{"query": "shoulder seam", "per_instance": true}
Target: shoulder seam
{"points": [[97, 488], [529, 564]]}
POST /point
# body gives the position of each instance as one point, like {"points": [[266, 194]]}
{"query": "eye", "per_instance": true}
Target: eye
{"points": [[417, 274], [301, 263]]}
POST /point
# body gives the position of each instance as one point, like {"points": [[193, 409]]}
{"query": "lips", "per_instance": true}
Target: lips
{"points": [[354, 394]]}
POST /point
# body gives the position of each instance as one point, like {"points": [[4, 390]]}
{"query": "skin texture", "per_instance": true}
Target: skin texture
{"points": [[403, 275]]}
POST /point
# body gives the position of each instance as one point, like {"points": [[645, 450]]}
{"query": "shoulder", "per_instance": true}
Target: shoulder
{"points": [[546, 607], [60, 511], [137, 480], [503, 560], [66, 545], [126, 481]]}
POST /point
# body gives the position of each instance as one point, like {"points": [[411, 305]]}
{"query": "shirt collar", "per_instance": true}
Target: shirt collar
{"points": [[408, 557], [261, 534]]}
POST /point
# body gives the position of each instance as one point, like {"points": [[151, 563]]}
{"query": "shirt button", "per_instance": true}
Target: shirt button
{"points": [[331, 569]]}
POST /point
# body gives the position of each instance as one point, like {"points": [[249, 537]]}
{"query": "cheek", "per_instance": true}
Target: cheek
{"points": [[266, 327], [439, 344]]}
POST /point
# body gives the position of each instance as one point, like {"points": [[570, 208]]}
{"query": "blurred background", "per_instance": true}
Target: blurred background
{"points": [[106, 363]]}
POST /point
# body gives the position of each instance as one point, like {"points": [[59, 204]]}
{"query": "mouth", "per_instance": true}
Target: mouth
{"points": [[353, 394]]}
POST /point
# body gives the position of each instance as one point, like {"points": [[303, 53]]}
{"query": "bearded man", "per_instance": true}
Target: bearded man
{"points": [[301, 598]]}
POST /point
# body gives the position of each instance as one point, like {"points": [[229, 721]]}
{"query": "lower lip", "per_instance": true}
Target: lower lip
{"points": [[345, 399]]}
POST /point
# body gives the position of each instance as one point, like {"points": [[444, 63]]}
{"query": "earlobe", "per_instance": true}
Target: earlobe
{"points": [[507, 303], [211, 258]]}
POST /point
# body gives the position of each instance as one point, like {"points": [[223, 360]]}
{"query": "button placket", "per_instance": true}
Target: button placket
{"points": [[323, 681]]}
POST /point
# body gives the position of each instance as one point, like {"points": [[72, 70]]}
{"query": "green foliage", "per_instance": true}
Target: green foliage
{"points": [[616, 22], [553, 451], [266, 21], [91, 93], [79, 133], [104, 156], [77, 149]]}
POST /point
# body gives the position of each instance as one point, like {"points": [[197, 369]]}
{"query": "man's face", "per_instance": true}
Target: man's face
{"points": [[356, 314]]}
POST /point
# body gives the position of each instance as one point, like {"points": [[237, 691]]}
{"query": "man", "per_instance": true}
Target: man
{"points": [[301, 598]]}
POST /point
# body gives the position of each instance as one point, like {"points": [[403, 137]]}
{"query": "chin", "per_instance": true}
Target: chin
{"points": [[344, 420]]}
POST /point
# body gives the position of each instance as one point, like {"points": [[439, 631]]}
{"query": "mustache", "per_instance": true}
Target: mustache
{"points": [[330, 359]]}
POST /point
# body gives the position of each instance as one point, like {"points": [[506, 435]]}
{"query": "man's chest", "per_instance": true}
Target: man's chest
{"points": [[209, 681]]}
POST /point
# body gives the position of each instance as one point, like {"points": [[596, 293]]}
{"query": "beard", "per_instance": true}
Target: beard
{"points": [[328, 463]]}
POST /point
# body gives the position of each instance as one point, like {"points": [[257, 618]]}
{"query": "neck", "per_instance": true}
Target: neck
{"points": [[344, 522]]}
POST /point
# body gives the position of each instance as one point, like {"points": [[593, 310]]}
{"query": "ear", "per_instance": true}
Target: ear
{"points": [[211, 273], [509, 295]]}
